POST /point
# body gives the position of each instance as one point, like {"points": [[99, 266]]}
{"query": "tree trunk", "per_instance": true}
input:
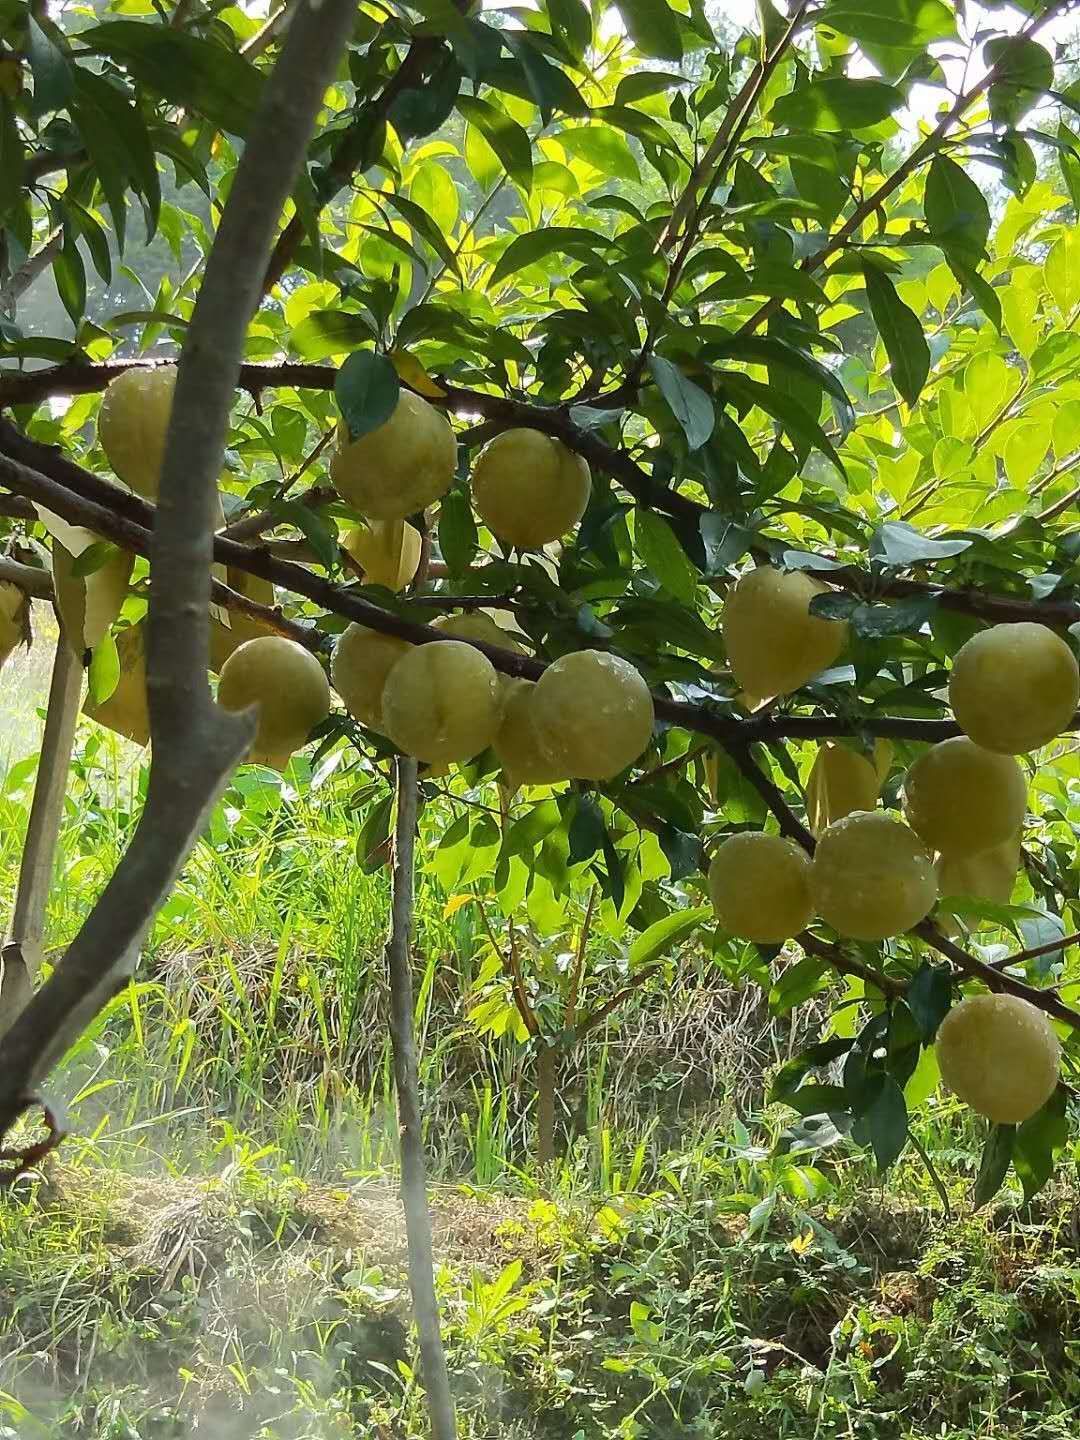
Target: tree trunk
{"points": [[22, 950], [413, 1170]]}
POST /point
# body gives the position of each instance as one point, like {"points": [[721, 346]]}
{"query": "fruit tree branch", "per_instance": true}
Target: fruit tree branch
{"points": [[195, 744]]}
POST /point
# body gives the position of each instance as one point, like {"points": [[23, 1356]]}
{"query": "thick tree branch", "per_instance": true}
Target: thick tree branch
{"points": [[195, 744]]}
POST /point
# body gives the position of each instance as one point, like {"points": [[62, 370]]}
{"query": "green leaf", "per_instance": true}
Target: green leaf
{"points": [[587, 831], [422, 222], [690, 405], [885, 1123], [115, 134], [797, 983], [771, 350], [372, 836], [366, 390], [93, 558], [652, 27], [11, 158], [1024, 71], [550, 87], [997, 1153], [894, 23], [103, 676], [69, 273], [658, 546], [52, 74], [320, 534], [871, 622], [929, 995], [900, 544], [1038, 1140], [816, 1099], [421, 110], [790, 1074], [571, 25], [506, 137], [329, 332], [901, 332], [956, 210], [796, 420], [837, 103], [201, 75], [457, 531], [538, 244], [664, 934]]}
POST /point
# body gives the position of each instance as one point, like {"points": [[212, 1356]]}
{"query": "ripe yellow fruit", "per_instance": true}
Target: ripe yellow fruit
{"points": [[362, 661], [519, 744], [225, 638], [990, 875], [1000, 1055], [1014, 687], [760, 887], [14, 618], [843, 781], [872, 877], [126, 710], [388, 552], [290, 688], [529, 489], [594, 714], [441, 702], [132, 425], [88, 604], [774, 645], [402, 467], [960, 798]]}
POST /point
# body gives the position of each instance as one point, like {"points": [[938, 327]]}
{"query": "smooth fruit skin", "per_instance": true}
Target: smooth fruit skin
{"points": [[872, 877], [843, 781], [519, 744], [14, 618], [290, 688], [529, 489], [132, 425], [989, 875], [362, 661], [402, 467], [760, 887], [387, 551], [594, 714], [960, 799], [1014, 688], [441, 702], [774, 645], [126, 710], [999, 1055]]}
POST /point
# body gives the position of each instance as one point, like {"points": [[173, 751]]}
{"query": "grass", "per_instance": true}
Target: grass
{"points": [[218, 1248]]}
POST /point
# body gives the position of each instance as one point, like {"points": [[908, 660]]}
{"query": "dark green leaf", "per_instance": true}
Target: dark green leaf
{"points": [[115, 133], [956, 210], [797, 421], [366, 390], [658, 546], [885, 1123], [201, 75], [424, 226], [899, 617], [52, 75], [815, 1099], [983, 292], [11, 158], [613, 880], [421, 110], [653, 27], [571, 24], [457, 532], [1038, 1140], [682, 850], [893, 23], [771, 350], [690, 405], [901, 332], [789, 1074], [97, 241], [587, 830], [900, 544], [551, 88], [505, 136], [997, 1153], [539, 244], [837, 103], [929, 995], [70, 275], [372, 836], [1024, 71], [320, 534]]}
